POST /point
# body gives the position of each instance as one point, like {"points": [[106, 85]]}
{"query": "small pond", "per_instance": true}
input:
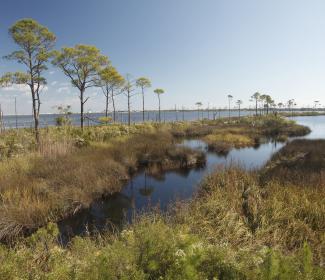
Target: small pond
{"points": [[144, 192]]}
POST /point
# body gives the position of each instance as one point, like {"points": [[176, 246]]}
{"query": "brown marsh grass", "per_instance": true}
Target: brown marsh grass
{"points": [[300, 162], [44, 187], [232, 209], [71, 168]]}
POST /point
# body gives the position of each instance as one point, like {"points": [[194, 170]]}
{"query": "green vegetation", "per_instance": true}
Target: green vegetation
{"points": [[110, 81], [159, 91], [143, 83], [240, 132], [239, 103], [81, 64], [265, 224], [72, 167], [239, 226], [234, 229], [235, 209], [222, 136], [267, 102], [84, 65], [36, 189], [302, 114], [64, 118], [223, 143], [36, 45]]}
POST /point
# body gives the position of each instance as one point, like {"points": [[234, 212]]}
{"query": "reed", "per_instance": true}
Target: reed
{"points": [[234, 208], [47, 186]]}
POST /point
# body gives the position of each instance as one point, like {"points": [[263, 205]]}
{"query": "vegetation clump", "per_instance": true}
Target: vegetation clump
{"points": [[238, 132], [152, 248], [37, 189], [71, 167], [298, 158], [223, 143], [237, 227], [303, 114], [222, 136], [234, 209]]}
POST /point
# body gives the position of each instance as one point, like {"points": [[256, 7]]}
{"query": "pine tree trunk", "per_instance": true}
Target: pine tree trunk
{"points": [[36, 123], [129, 110], [106, 109], [159, 107], [82, 109], [113, 103], [142, 105], [36, 117]]}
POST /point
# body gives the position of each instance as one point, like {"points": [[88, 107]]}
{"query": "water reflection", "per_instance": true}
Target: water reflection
{"points": [[316, 124], [145, 191], [104, 214]]}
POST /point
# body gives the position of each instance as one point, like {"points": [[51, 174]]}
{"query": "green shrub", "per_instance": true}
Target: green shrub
{"points": [[150, 249]]}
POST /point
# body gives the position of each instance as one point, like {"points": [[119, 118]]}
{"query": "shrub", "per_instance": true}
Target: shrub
{"points": [[62, 121]]}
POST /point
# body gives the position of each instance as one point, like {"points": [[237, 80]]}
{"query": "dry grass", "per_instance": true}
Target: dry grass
{"points": [[300, 162], [44, 187], [237, 227], [224, 135], [232, 209], [71, 167], [51, 147], [39, 190], [224, 142]]}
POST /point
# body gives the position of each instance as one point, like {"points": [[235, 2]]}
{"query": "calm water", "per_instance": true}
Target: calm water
{"points": [[122, 117], [144, 192], [316, 124], [168, 116]]}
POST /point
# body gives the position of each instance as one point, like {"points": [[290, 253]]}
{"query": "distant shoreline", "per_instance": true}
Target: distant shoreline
{"points": [[285, 110]]}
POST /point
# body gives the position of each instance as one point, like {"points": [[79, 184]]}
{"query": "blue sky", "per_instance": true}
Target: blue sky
{"points": [[195, 50]]}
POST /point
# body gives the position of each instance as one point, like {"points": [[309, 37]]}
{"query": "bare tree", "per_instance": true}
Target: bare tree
{"points": [[199, 105]]}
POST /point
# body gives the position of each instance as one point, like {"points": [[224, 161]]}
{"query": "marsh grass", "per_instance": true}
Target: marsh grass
{"points": [[152, 248], [302, 114], [222, 136], [45, 186], [235, 228], [72, 167], [300, 162], [39, 189], [61, 140], [235, 210], [224, 142]]}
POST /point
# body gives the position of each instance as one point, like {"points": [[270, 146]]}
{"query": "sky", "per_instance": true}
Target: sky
{"points": [[196, 50]]}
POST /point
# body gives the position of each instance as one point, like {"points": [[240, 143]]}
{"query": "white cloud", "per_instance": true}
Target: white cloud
{"points": [[17, 88], [51, 72], [44, 89], [63, 90], [53, 83], [65, 84]]}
